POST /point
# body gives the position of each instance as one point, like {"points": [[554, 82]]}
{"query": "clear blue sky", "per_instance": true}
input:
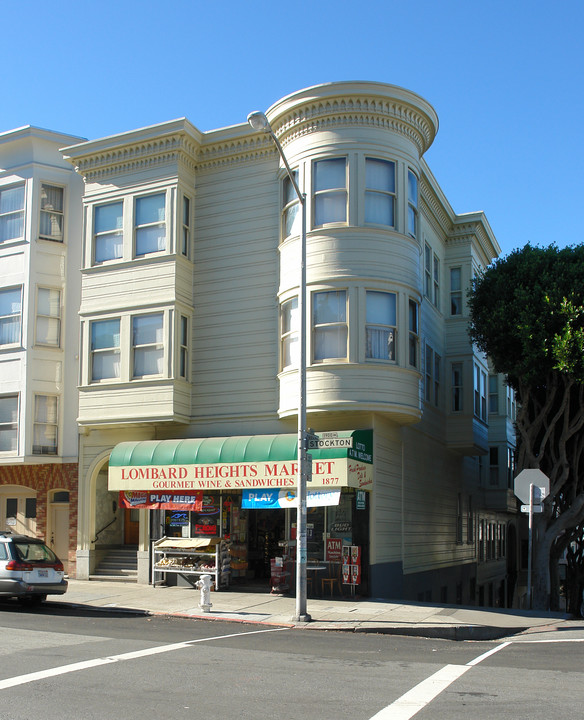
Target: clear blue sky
{"points": [[505, 77]]}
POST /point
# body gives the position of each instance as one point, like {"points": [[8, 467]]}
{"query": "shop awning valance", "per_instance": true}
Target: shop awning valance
{"points": [[342, 458]]}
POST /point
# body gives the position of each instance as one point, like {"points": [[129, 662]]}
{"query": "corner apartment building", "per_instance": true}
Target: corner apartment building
{"points": [[189, 349], [40, 250]]}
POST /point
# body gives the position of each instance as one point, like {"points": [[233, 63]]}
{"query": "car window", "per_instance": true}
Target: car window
{"points": [[34, 552], [3, 552]]}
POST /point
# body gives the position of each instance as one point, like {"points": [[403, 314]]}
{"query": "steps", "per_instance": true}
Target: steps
{"points": [[120, 564]]}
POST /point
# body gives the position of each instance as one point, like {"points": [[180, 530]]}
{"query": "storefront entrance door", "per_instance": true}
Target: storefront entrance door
{"points": [[131, 526]]}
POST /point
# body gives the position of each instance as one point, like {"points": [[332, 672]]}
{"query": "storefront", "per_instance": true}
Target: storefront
{"points": [[238, 495]]}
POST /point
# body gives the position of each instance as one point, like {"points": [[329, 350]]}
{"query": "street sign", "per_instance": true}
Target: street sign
{"points": [[534, 508], [525, 479], [324, 443]]}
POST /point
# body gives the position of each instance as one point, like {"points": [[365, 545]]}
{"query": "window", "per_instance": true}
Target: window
{"points": [[184, 348], [510, 466], [105, 349], [379, 192], [150, 225], [12, 213], [412, 204], [380, 327], [147, 345], [436, 277], [493, 394], [290, 322], [469, 522], [48, 320], [330, 191], [108, 236], [431, 276], [494, 466], [432, 376], [330, 324], [10, 316], [456, 291], [45, 425], [51, 220], [9, 423], [511, 402], [291, 215], [30, 507], [480, 393], [459, 518], [456, 387], [186, 227], [413, 339]]}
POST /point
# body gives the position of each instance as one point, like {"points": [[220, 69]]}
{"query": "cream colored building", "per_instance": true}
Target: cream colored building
{"points": [[189, 332]]}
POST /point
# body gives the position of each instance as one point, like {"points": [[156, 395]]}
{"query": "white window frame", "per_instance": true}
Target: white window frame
{"points": [[48, 318], [113, 350], [456, 373], [139, 349], [413, 333], [186, 226], [433, 371], [140, 228], [322, 327], [381, 194], [42, 425], [8, 318], [9, 425], [456, 291], [289, 333], [387, 329], [480, 393], [322, 194], [413, 193], [184, 346], [291, 209], [109, 232], [8, 214], [54, 215]]}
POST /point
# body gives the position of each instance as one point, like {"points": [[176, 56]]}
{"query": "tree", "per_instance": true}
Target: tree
{"points": [[527, 314]]}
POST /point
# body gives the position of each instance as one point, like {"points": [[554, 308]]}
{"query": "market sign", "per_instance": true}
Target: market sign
{"points": [[265, 499], [238, 463], [144, 500]]}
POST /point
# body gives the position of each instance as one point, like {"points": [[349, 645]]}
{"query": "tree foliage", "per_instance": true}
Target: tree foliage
{"points": [[527, 314]]}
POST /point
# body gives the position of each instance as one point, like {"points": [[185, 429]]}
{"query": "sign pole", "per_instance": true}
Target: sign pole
{"points": [[530, 546]]}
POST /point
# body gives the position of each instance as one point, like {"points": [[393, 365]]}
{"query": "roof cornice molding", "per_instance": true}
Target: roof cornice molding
{"points": [[236, 149], [433, 209], [474, 228]]}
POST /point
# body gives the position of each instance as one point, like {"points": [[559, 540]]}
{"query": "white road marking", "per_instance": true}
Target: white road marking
{"points": [[87, 664], [423, 693]]}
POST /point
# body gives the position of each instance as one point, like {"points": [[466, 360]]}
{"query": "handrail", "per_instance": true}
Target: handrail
{"points": [[105, 527]]}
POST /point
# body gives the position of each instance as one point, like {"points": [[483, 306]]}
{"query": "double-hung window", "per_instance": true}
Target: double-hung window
{"points": [[51, 219], [12, 213], [330, 191], [147, 344], [183, 370], [186, 228], [45, 425], [48, 320], [380, 325], [291, 215], [8, 423], [414, 337], [493, 465], [412, 204], [108, 236], [105, 349], [433, 363], [150, 224], [10, 315], [455, 291], [330, 325], [290, 322], [380, 192], [457, 389], [480, 393], [493, 394]]}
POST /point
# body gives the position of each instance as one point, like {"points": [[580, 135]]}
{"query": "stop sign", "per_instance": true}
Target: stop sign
{"points": [[531, 477]]}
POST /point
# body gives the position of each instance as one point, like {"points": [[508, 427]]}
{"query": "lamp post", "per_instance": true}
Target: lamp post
{"points": [[259, 121]]}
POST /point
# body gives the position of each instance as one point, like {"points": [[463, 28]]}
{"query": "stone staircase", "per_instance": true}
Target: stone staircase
{"points": [[120, 564]]}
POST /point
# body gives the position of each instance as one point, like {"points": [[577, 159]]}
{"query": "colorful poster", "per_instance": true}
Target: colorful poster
{"points": [[334, 547], [147, 500], [266, 499]]}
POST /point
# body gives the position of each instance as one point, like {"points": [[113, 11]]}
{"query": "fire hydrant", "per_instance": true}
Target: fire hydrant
{"points": [[204, 585]]}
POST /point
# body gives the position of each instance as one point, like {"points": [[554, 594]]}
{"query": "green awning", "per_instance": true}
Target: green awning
{"points": [[238, 449]]}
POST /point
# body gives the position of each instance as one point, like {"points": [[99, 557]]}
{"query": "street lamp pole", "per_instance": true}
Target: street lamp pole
{"points": [[259, 121]]}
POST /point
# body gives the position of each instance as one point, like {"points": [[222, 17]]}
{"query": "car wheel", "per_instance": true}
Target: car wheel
{"points": [[32, 600]]}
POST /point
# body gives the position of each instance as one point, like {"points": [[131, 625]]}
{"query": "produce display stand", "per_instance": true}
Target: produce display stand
{"points": [[191, 556]]}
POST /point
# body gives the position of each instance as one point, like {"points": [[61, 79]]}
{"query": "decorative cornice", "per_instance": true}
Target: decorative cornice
{"points": [[235, 150], [433, 210]]}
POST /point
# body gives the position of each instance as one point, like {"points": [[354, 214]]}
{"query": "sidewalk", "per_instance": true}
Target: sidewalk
{"points": [[369, 615]]}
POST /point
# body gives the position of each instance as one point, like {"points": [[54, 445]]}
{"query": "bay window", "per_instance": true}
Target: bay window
{"points": [[48, 320], [108, 237], [291, 215], [8, 423], [105, 349], [380, 325], [289, 324], [186, 227], [150, 224], [184, 347], [147, 344], [51, 219], [457, 389], [45, 425], [413, 338], [12, 213], [330, 329], [330, 191], [412, 204], [455, 291], [480, 393], [433, 363], [10, 315], [379, 192]]}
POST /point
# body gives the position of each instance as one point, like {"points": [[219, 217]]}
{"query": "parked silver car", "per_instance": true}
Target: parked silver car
{"points": [[29, 570]]}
